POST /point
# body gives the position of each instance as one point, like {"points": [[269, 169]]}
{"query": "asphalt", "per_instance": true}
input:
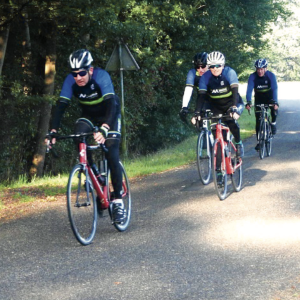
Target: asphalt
{"points": [[183, 242]]}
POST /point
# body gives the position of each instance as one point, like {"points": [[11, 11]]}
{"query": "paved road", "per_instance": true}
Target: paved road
{"points": [[183, 242]]}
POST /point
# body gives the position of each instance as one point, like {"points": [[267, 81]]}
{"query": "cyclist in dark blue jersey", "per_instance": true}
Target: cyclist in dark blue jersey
{"points": [[265, 88], [192, 80], [220, 83], [96, 96]]}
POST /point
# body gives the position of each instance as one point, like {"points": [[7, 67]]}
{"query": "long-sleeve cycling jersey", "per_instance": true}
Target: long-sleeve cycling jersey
{"points": [[265, 88], [222, 90], [192, 80], [97, 99]]}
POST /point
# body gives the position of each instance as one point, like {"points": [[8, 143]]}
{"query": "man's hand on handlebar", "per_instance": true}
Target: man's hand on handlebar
{"points": [[196, 117], [248, 106], [233, 112], [183, 113], [51, 142], [101, 135]]}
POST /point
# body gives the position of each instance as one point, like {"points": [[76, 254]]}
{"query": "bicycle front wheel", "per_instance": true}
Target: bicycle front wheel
{"points": [[237, 175], [219, 170], [269, 140], [126, 197], [261, 138], [82, 207], [204, 157]]}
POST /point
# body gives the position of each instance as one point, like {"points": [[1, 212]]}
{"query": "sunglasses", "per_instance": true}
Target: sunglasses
{"points": [[215, 66], [201, 66], [81, 73]]}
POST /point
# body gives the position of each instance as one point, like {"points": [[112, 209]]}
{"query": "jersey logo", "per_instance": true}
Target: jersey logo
{"points": [[82, 96], [92, 95], [92, 86], [222, 82], [262, 86], [217, 91]]}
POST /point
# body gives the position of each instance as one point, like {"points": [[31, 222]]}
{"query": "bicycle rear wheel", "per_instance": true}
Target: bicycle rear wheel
{"points": [[261, 138], [204, 157], [126, 197], [269, 139], [219, 171], [82, 207]]}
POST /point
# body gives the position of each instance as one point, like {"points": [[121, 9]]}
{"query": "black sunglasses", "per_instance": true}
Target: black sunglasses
{"points": [[215, 66], [81, 73], [201, 66]]}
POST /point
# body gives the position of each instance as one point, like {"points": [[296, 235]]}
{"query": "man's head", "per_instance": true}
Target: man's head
{"points": [[80, 63], [216, 62], [261, 66], [200, 62]]}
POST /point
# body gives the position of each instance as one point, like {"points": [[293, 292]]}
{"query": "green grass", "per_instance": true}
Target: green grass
{"points": [[181, 154], [166, 159]]}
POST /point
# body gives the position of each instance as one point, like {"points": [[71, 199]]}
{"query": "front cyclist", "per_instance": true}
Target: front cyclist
{"points": [[265, 88], [192, 80], [221, 85], [99, 104]]}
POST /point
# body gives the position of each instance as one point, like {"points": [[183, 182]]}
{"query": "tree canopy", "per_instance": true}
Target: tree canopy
{"points": [[39, 35]]}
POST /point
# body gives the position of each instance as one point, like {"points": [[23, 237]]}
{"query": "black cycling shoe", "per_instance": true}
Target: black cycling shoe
{"points": [[273, 129], [257, 147], [118, 212]]}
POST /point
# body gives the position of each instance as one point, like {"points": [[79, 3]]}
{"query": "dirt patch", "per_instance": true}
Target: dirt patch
{"points": [[21, 202]]}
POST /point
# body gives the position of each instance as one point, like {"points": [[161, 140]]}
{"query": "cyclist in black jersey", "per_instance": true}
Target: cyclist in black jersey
{"points": [[192, 80], [221, 85], [96, 96], [264, 84]]}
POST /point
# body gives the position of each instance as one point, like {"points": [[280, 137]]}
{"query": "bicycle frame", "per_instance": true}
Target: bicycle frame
{"points": [[226, 156], [101, 190]]}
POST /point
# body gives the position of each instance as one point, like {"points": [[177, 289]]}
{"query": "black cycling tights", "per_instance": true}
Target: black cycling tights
{"points": [[235, 129], [112, 156]]}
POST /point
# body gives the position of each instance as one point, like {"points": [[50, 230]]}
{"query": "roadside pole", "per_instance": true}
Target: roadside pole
{"points": [[122, 59]]}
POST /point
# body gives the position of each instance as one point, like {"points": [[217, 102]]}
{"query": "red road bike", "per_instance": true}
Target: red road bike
{"points": [[84, 187], [224, 160]]}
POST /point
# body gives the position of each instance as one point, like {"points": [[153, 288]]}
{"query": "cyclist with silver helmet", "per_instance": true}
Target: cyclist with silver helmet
{"points": [[265, 88], [220, 83], [192, 80], [94, 89]]}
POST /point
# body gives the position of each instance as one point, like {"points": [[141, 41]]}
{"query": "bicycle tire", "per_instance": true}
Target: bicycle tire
{"points": [[269, 139], [81, 204], [219, 172], [261, 138], [126, 199], [237, 176], [204, 157]]}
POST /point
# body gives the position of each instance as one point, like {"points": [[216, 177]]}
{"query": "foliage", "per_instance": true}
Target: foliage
{"points": [[163, 37]]}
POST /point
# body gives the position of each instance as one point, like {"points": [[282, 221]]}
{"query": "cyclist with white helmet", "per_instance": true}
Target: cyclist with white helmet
{"points": [[221, 85], [94, 89], [265, 88], [192, 80]]}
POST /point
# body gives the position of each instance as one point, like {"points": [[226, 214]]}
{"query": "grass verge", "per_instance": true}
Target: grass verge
{"points": [[48, 187]]}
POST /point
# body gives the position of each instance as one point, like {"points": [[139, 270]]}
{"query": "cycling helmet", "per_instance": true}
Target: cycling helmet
{"points": [[261, 63], [80, 59], [216, 58], [200, 59]]}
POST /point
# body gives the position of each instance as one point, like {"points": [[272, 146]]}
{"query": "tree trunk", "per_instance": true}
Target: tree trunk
{"points": [[4, 33], [45, 107]]}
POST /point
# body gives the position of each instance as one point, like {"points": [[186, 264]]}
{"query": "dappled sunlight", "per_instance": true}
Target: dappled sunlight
{"points": [[255, 232]]}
